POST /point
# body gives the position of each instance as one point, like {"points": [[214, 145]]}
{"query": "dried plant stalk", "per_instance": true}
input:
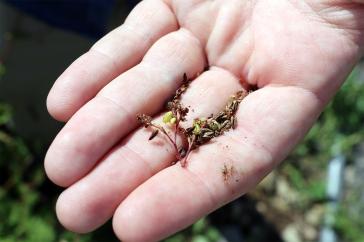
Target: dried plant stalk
{"points": [[202, 129]]}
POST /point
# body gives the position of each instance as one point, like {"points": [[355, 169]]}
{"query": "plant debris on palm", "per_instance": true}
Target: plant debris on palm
{"points": [[202, 130]]}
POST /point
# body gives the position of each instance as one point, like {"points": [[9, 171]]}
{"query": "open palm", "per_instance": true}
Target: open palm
{"points": [[297, 53]]}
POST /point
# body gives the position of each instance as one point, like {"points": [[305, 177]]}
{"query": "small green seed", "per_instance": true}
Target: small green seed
{"points": [[197, 129], [173, 120], [167, 117], [214, 125]]}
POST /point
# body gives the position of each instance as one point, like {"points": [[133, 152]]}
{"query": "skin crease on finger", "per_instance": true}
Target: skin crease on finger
{"points": [[280, 46]]}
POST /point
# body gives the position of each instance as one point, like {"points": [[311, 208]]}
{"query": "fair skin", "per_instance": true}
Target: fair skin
{"points": [[297, 53]]}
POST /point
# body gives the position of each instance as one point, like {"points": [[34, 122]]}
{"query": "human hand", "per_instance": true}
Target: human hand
{"points": [[296, 52]]}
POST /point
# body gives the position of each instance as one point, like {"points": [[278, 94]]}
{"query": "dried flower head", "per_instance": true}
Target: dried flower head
{"points": [[202, 129], [144, 120]]}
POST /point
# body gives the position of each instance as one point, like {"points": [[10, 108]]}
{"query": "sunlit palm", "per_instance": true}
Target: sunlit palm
{"points": [[296, 52]]}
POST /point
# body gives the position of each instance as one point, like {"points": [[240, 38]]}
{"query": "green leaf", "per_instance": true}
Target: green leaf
{"points": [[199, 226], [200, 238]]}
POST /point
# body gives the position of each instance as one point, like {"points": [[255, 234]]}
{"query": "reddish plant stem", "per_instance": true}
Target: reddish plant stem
{"points": [[177, 128], [169, 138], [190, 145]]}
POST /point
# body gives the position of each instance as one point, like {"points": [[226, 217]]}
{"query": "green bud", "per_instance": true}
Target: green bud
{"points": [[214, 125], [173, 120], [199, 121], [197, 129], [167, 117]]}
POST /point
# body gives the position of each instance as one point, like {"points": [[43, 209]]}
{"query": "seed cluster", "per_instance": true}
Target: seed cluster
{"points": [[202, 129]]}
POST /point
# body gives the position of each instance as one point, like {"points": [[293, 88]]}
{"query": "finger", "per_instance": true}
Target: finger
{"points": [[91, 202], [104, 120], [118, 51], [270, 122]]}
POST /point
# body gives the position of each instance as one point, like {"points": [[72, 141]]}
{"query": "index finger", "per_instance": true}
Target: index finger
{"points": [[115, 53]]}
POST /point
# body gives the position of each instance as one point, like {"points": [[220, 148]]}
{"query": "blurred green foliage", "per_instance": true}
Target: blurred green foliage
{"points": [[201, 231], [2, 70], [338, 130], [21, 216], [350, 227], [27, 198]]}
